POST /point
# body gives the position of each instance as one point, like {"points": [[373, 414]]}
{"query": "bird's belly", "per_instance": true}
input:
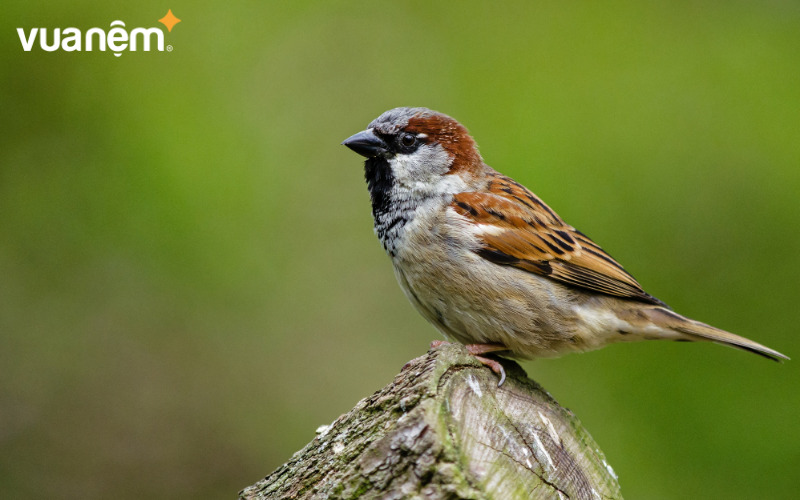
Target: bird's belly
{"points": [[482, 302]]}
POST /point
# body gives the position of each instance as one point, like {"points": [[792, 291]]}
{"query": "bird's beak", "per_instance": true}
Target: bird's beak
{"points": [[366, 144]]}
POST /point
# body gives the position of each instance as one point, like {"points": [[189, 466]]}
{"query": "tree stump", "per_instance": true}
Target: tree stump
{"points": [[443, 429]]}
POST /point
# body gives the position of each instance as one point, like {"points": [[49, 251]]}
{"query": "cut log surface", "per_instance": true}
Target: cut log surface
{"points": [[443, 429]]}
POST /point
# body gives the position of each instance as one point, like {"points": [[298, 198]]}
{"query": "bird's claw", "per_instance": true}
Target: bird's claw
{"points": [[495, 366]]}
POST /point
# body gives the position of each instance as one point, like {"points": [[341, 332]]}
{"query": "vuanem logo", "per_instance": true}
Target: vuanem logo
{"points": [[117, 39]]}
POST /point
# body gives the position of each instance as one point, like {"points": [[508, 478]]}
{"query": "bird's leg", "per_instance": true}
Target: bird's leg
{"points": [[437, 343], [493, 365], [475, 350]]}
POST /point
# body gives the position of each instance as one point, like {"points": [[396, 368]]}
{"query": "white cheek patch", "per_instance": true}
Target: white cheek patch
{"points": [[423, 165]]}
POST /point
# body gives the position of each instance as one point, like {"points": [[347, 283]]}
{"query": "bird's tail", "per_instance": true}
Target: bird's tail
{"points": [[695, 330]]}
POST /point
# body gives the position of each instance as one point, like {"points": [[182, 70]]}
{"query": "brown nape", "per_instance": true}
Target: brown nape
{"points": [[453, 137]]}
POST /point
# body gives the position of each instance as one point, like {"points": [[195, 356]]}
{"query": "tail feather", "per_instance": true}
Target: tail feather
{"points": [[696, 330]]}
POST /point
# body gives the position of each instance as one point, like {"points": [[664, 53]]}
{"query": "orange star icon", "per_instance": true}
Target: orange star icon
{"points": [[169, 20]]}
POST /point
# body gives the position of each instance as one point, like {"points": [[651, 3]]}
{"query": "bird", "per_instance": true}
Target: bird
{"points": [[492, 266]]}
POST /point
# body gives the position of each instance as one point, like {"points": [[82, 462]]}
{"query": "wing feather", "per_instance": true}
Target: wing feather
{"points": [[523, 232]]}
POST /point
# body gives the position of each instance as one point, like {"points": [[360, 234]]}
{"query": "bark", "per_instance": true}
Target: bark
{"points": [[443, 429]]}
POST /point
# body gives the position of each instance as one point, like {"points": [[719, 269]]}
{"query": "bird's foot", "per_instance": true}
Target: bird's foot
{"points": [[475, 350], [493, 365]]}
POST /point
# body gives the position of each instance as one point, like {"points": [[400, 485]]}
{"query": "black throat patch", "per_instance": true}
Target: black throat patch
{"points": [[388, 214], [380, 180]]}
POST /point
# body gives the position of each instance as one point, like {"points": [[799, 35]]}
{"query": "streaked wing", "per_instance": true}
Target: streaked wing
{"points": [[518, 229]]}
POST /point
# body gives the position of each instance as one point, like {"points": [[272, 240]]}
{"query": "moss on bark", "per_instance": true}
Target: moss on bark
{"points": [[444, 430]]}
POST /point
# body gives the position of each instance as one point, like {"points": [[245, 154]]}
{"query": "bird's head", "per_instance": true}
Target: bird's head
{"points": [[415, 146]]}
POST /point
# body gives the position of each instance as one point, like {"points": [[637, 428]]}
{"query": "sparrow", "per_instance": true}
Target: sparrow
{"points": [[489, 264]]}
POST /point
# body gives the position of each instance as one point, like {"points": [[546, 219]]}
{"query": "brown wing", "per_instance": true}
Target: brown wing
{"points": [[520, 230]]}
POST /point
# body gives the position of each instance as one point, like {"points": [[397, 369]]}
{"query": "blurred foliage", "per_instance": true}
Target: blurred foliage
{"points": [[189, 283]]}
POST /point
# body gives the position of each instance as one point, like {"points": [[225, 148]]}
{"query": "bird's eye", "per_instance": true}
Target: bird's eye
{"points": [[408, 140]]}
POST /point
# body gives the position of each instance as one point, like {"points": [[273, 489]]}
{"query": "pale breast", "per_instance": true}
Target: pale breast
{"points": [[472, 300]]}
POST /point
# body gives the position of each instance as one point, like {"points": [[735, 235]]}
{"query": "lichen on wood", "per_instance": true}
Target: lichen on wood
{"points": [[444, 430]]}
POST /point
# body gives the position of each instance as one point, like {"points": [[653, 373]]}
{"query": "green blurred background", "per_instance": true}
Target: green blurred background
{"points": [[190, 285]]}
